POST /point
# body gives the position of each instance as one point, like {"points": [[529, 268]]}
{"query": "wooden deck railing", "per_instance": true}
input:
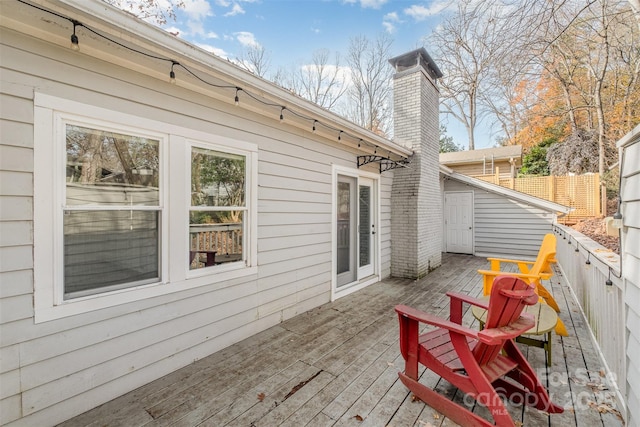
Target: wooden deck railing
{"points": [[225, 239], [593, 274]]}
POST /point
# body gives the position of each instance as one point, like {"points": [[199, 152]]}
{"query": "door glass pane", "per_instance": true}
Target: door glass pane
{"points": [[365, 225], [344, 226]]}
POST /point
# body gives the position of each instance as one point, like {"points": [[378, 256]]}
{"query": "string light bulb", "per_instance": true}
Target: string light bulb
{"points": [[339, 135], [359, 142], [172, 74], [74, 38], [314, 126], [375, 150], [282, 115], [237, 99]]}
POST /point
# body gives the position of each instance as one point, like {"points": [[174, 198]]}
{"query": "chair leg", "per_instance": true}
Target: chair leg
{"points": [[451, 410], [535, 394]]}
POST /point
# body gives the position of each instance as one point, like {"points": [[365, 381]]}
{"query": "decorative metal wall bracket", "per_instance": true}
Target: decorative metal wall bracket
{"points": [[385, 163]]}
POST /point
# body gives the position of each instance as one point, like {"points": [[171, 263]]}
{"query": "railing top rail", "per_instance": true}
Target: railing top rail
{"points": [[596, 251]]}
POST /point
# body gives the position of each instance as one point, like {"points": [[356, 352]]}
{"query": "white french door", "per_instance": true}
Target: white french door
{"points": [[355, 222]]}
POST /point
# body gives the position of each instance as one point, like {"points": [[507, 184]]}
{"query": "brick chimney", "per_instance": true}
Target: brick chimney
{"points": [[416, 212]]}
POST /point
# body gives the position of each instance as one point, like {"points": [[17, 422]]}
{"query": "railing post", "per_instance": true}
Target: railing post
{"points": [[595, 184]]}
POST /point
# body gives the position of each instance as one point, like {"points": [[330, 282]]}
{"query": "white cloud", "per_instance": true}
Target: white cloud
{"points": [[392, 17], [315, 30], [223, 3], [211, 35], [196, 27], [197, 9], [373, 4], [420, 13], [246, 39], [389, 22], [235, 10], [389, 27]]}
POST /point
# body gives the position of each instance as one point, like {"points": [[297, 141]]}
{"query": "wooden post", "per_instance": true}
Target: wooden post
{"points": [[595, 183], [552, 189]]}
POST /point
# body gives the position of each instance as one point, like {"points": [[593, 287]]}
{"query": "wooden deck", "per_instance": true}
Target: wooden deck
{"points": [[337, 365]]}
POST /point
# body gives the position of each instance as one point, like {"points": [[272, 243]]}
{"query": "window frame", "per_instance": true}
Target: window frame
{"points": [[49, 179], [191, 144], [61, 120]]}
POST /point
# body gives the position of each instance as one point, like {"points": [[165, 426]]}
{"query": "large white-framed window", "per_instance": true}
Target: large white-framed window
{"points": [[128, 208]]}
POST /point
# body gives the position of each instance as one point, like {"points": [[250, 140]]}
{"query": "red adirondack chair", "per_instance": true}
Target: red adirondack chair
{"points": [[479, 363]]}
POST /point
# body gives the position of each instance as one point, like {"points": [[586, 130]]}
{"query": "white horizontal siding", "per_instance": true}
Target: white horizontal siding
{"points": [[504, 227], [53, 370], [630, 196]]}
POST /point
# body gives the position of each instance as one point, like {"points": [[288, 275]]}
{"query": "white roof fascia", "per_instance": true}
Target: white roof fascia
{"points": [[629, 138], [507, 192], [104, 17]]}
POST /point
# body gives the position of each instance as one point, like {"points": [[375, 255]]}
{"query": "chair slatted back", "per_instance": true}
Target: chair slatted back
{"points": [[509, 296], [546, 253]]}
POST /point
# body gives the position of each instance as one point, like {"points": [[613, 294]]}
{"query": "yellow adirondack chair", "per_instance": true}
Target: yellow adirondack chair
{"points": [[532, 272]]}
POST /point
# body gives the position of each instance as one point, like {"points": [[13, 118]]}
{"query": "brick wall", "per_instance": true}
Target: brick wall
{"points": [[416, 215]]}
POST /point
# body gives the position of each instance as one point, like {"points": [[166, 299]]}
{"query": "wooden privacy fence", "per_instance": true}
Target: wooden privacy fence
{"points": [[581, 192]]}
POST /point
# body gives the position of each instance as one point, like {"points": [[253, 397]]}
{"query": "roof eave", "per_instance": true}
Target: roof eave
{"points": [[507, 192], [130, 27]]}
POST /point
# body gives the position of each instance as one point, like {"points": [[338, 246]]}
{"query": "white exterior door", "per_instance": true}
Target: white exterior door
{"points": [[458, 221]]}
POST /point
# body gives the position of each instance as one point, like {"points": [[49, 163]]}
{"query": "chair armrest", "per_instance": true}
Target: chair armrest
{"points": [[523, 266], [430, 319], [498, 273], [495, 336], [513, 261], [469, 300]]}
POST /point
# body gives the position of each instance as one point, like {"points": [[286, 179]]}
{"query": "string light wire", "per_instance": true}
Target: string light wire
{"points": [[172, 76]]}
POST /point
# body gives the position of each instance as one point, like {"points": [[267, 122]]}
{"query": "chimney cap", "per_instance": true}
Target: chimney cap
{"points": [[415, 58]]}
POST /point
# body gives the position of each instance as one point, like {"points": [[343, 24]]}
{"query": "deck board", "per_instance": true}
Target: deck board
{"points": [[337, 365]]}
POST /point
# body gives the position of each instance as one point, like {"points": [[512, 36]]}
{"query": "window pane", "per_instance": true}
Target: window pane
{"points": [[365, 225], [107, 168], [217, 179], [344, 227], [106, 250], [215, 237]]}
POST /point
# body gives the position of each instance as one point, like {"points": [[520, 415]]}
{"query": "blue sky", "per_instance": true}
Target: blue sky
{"points": [[291, 30]]}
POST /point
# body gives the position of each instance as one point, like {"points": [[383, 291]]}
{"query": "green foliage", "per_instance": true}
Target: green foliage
{"points": [[446, 142], [535, 161], [611, 180]]}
